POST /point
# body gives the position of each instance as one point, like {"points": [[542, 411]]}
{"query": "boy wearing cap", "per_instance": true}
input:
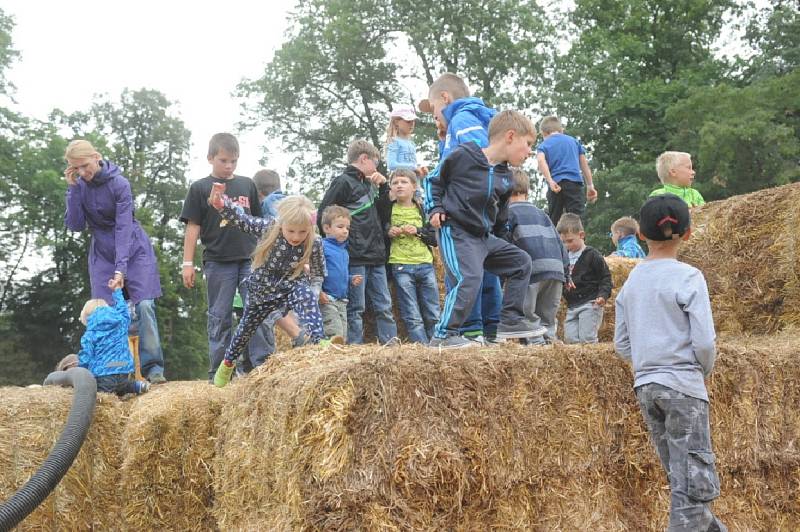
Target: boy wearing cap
{"points": [[675, 172], [669, 336]]}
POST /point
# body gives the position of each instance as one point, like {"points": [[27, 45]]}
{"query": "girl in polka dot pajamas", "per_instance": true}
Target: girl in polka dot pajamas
{"points": [[288, 269]]}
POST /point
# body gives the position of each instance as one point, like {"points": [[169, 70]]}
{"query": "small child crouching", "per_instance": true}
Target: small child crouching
{"points": [[623, 235]]}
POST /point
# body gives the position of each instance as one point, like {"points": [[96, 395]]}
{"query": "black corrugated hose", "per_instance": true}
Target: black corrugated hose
{"points": [[63, 453]]}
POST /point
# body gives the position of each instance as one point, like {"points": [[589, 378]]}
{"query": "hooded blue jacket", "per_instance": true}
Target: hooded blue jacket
{"points": [[104, 345], [337, 281]]}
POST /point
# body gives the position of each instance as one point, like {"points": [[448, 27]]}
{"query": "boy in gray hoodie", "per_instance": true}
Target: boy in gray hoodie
{"points": [[671, 360]]}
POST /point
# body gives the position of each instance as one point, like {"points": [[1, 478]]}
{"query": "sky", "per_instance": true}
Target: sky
{"points": [[194, 53]]}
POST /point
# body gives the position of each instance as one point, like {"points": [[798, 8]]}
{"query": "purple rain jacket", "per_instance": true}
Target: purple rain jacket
{"points": [[119, 243]]}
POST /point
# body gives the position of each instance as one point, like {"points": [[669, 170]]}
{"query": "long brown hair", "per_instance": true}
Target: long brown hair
{"points": [[293, 210]]}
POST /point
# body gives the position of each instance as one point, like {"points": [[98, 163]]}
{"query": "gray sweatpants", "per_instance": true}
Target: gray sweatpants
{"points": [[679, 427], [541, 307], [582, 323], [466, 256], [334, 317]]}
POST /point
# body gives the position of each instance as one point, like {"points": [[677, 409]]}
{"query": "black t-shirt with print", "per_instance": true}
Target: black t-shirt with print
{"points": [[228, 243]]}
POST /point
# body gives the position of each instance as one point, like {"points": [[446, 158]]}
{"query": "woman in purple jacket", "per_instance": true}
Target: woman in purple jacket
{"points": [[99, 196]]}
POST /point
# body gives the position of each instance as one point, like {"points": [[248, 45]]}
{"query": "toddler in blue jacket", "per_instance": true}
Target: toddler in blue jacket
{"points": [[104, 346]]}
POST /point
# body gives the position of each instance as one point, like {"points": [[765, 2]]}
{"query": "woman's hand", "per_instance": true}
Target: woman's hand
{"points": [[71, 176], [118, 281]]}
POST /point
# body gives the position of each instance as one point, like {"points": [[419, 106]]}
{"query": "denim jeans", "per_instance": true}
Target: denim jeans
{"points": [[119, 383], [151, 356], [375, 288], [485, 313], [417, 299], [222, 279]]}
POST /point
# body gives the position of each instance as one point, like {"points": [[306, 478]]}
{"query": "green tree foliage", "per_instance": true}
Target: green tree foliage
{"points": [[775, 35]]}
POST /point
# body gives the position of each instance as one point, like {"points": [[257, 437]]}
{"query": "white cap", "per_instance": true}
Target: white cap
{"points": [[406, 112]]}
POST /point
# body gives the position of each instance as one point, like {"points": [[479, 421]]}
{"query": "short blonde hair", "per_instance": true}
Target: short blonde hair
{"points": [[360, 147], [520, 182], [551, 124], [511, 121], [451, 84], [267, 181], [89, 307], [627, 225], [404, 172], [332, 212], [667, 161], [80, 149], [569, 223]]}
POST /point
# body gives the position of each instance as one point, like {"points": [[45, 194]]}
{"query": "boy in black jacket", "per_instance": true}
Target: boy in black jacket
{"points": [[469, 201], [592, 283]]}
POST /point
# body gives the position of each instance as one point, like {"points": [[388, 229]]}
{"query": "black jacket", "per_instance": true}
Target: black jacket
{"points": [[592, 279], [368, 206], [472, 193]]}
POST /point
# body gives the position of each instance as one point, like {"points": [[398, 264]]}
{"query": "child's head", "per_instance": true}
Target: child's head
{"points": [[404, 184], [296, 224], [442, 92], [223, 154], [364, 156], [336, 222], [513, 134], [675, 168], [69, 361], [402, 120], [664, 221], [83, 158], [549, 125], [267, 182], [623, 227], [89, 307], [520, 183], [570, 229]]}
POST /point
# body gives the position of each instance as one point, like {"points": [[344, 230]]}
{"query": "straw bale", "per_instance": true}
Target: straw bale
{"points": [[167, 452], [501, 438], [31, 420], [747, 246]]}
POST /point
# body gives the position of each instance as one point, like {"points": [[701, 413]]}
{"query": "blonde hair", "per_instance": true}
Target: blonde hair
{"points": [[520, 182], [627, 225], [80, 149], [550, 124], [569, 223], [359, 147], [451, 84], [90, 307], [667, 161], [293, 210], [511, 121], [391, 133]]}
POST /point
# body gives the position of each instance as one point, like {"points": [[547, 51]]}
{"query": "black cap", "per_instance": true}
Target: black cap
{"points": [[664, 217]]}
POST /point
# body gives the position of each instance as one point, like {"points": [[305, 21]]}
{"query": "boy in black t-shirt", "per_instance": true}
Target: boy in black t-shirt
{"points": [[226, 253]]}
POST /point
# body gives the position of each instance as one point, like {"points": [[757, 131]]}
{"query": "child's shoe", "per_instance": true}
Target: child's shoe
{"points": [[450, 342], [300, 340], [141, 387], [224, 374], [521, 329]]}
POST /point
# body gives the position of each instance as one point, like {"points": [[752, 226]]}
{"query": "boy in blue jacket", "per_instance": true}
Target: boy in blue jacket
{"points": [[336, 284], [469, 202], [104, 346], [465, 119]]}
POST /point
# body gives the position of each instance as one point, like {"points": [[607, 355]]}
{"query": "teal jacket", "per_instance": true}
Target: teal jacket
{"points": [[104, 345]]}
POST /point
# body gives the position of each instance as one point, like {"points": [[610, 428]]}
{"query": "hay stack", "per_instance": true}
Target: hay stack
{"points": [[31, 420], [509, 438], [747, 247], [167, 454]]}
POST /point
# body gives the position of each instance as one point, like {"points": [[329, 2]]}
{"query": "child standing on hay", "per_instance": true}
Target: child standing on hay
{"points": [[675, 172], [336, 285], [669, 336], [623, 235], [469, 203], [104, 345], [287, 248], [401, 153], [531, 230], [591, 283]]}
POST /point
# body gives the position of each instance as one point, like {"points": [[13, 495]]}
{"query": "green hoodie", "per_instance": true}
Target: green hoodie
{"points": [[687, 194]]}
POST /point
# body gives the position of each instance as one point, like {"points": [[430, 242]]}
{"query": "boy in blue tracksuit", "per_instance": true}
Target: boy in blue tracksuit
{"points": [[623, 235], [466, 120], [104, 346], [468, 200]]}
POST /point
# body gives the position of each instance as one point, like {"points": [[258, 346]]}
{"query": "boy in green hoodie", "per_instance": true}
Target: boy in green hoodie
{"points": [[676, 174]]}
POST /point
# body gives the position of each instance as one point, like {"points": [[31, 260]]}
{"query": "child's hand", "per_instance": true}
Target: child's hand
{"points": [[117, 282], [307, 269], [437, 219], [377, 179], [188, 274], [395, 231], [357, 280], [215, 199], [591, 194], [600, 301], [323, 298], [555, 187], [409, 229], [71, 176]]}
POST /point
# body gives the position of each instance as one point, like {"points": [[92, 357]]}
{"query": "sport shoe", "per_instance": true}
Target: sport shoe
{"points": [[450, 342], [156, 378], [393, 341], [479, 339], [141, 387], [521, 329], [223, 375]]}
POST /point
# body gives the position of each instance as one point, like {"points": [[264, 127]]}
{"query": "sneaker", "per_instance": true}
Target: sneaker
{"points": [[141, 387], [479, 339], [450, 342], [300, 340], [156, 378], [521, 329], [393, 341], [493, 340], [223, 375]]}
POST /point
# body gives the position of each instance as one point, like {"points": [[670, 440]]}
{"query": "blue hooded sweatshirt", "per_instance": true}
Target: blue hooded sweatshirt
{"points": [[337, 281], [104, 345]]}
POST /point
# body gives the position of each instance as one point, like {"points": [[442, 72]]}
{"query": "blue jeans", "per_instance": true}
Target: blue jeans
{"points": [[375, 288], [418, 299], [151, 357], [222, 279], [485, 313]]}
